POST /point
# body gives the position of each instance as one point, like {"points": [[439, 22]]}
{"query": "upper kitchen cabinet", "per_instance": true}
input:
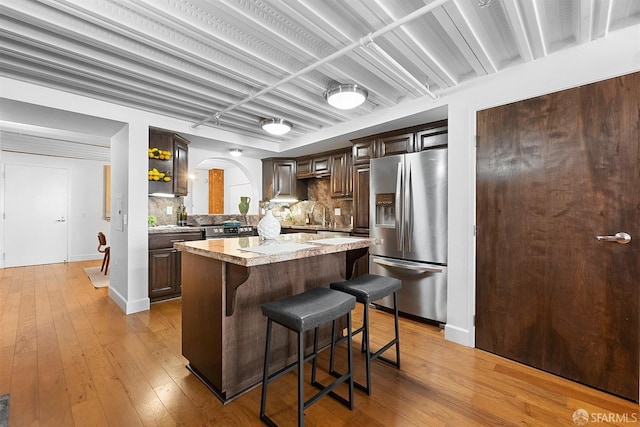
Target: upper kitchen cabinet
{"points": [[168, 163], [363, 151], [279, 180], [180, 166], [400, 141], [313, 166], [341, 174], [397, 144], [436, 135]]}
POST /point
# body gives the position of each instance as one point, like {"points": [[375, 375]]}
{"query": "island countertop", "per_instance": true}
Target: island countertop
{"points": [[253, 251]]}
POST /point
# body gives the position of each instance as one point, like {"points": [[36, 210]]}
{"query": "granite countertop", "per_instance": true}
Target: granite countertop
{"points": [[162, 229], [252, 251]]}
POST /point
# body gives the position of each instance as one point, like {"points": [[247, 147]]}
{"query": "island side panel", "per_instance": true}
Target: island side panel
{"points": [[245, 330], [202, 308]]}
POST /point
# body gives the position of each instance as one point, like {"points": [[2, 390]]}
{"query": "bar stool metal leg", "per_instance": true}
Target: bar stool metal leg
{"points": [[301, 402], [265, 376]]}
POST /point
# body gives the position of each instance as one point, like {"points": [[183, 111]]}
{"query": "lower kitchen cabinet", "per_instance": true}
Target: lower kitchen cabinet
{"points": [[164, 264]]}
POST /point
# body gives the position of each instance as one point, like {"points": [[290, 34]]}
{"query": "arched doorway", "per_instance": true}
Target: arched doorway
{"points": [[235, 184]]}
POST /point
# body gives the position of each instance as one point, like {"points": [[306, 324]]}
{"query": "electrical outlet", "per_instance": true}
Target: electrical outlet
{"points": [[336, 211], [169, 210]]}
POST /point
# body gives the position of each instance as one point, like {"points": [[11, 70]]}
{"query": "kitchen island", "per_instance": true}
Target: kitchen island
{"points": [[224, 282]]}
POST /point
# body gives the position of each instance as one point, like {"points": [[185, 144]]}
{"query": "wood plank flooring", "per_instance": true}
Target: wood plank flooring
{"points": [[70, 357]]}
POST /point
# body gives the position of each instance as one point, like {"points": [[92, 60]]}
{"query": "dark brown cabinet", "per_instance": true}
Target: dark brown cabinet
{"points": [[180, 166], [341, 175], [363, 151], [397, 144], [361, 177], [279, 180], [175, 179], [303, 168], [433, 137], [164, 264], [313, 167]]}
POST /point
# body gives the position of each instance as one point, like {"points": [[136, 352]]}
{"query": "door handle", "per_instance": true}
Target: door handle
{"points": [[622, 238], [61, 220]]}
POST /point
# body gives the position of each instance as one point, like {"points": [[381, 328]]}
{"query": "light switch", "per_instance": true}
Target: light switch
{"points": [[169, 210]]}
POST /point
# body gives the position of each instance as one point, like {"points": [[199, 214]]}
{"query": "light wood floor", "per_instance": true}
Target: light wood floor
{"points": [[69, 356]]}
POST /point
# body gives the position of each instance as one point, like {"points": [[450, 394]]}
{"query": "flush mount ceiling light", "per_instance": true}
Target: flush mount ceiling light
{"points": [[346, 97], [235, 152], [276, 126]]}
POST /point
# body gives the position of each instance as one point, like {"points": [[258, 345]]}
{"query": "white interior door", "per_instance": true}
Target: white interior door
{"points": [[36, 205]]}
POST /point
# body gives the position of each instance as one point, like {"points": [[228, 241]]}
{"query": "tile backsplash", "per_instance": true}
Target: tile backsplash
{"points": [[298, 213], [319, 192], [158, 208]]}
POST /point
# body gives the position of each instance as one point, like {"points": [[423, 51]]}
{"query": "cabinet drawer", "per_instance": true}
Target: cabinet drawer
{"points": [[166, 240]]}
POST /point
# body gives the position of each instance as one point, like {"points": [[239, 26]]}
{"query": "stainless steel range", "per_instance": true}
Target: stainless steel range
{"points": [[226, 230]]}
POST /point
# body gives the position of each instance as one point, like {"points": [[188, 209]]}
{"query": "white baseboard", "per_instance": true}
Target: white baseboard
{"points": [[459, 335], [137, 306], [129, 307], [86, 257], [118, 299]]}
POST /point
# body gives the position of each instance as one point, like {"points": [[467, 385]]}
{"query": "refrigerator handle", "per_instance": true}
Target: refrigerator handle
{"points": [[398, 209], [408, 217], [413, 266]]}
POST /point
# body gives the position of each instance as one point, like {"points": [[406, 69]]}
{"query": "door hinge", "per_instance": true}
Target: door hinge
{"points": [[474, 320], [475, 140], [475, 230]]}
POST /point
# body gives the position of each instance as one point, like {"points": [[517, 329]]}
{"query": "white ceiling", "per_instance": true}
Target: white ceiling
{"points": [[229, 63]]}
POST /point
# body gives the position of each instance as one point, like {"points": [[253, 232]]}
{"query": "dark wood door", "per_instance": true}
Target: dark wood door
{"points": [[554, 172]]}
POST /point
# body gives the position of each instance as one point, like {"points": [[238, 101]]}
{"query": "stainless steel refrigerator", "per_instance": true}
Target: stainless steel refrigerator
{"points": [[408, 205]]}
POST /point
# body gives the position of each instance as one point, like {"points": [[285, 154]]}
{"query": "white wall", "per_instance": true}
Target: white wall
{"points": [[86, 202]]}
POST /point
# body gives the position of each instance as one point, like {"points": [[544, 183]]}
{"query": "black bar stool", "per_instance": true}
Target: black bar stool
{"points": [[300, 313], [368, 288]]}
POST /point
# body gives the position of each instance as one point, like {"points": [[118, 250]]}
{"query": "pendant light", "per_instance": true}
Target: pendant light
{"points": [[346, 96], [276, 126]]}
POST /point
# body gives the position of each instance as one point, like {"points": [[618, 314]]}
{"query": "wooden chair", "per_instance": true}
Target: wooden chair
{"points": [[102, 241]]}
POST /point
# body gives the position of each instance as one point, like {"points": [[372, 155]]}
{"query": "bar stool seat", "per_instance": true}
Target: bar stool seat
{"points": [[368, 288], [303, 312]]}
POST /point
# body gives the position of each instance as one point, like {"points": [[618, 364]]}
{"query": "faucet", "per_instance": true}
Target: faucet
{"points": [[324, 212]]}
